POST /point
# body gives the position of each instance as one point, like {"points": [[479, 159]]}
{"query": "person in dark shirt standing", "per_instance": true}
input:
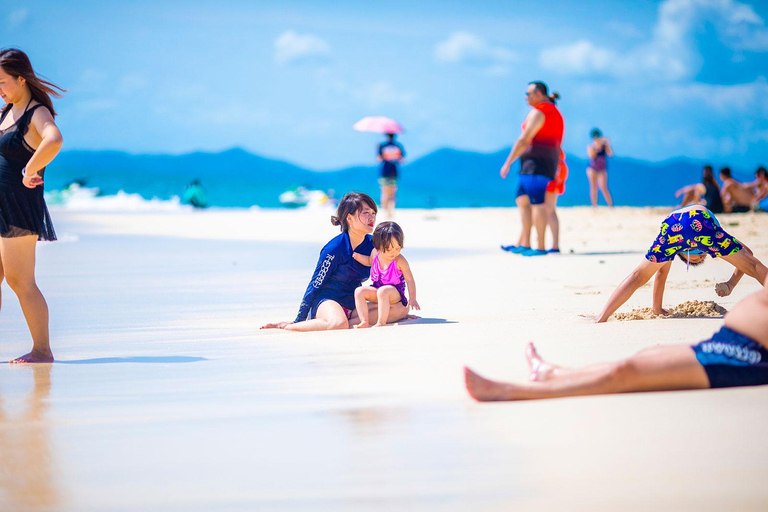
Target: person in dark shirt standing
{"points": [[391, 155]]}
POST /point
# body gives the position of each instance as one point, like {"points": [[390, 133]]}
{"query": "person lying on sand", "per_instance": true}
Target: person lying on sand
{"points": [[736, 355], [690, 233]]}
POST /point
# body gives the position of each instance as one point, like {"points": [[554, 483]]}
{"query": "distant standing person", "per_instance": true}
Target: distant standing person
{"points": [[598, 151], [29, 140], [391, 155], [538, 149], [707, 192]]}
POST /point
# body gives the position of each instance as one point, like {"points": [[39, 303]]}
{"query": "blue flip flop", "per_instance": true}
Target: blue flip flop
{"points": [[554, 251], [519, 249], [534, 252], [508, 248]]}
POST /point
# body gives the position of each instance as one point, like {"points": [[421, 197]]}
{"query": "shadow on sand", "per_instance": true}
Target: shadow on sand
{"points": [[135, 359], [426, 321], [602, 253]]}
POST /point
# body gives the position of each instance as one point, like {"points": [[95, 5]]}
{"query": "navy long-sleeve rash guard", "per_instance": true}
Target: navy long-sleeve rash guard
{"points": [[336, 276]]}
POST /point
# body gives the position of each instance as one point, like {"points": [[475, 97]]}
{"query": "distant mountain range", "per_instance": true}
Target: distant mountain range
{"points": [[444, 178]]}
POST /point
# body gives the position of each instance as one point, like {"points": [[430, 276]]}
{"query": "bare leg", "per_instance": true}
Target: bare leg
{"points": [[18, 257], [330, 316], [542, 370], [670, 367], [689, 197], [397, 312], [540, 219], [526, 219], [386, 296], [388, 200], [363, 295], [592, 187], [602, 182], [552, 220]]}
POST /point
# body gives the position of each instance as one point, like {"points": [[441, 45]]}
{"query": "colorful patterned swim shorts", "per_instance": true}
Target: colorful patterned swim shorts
{"points": [[693, 232]]}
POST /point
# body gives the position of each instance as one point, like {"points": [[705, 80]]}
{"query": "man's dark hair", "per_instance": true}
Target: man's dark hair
{"points": [[725, 171]]}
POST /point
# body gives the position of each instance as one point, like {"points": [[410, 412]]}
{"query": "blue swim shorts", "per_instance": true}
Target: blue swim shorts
{"points": [[732, 359], [534, 186], [692, 232]]}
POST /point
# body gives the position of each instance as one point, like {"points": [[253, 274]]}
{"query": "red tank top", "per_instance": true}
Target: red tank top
{"points": [[551, 134]]}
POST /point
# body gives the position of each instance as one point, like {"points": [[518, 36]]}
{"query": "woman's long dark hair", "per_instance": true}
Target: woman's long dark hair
{"points": [[708, 177], [352, 202], [16, 63]]}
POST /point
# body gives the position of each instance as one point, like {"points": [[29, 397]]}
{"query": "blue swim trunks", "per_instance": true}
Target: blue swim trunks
{"points": [[692, 232], [534, 186], [732, 359]]}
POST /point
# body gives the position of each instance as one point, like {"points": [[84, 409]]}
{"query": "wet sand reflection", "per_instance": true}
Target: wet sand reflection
{"points": [[26, 466]]}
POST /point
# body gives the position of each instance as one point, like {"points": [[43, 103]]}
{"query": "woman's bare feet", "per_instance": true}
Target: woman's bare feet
{"points": [[362, 325], [540, 370], [485, 390], [278, 325], [34, 357]]}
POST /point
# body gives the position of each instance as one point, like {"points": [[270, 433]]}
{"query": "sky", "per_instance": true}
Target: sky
{"points": [[288, 79]]}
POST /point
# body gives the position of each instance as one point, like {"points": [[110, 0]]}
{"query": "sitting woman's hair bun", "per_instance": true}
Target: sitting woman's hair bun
{"points": [[335, 220]]}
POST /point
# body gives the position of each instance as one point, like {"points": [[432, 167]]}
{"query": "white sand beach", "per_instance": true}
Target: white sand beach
{"points": [[166, 395]]}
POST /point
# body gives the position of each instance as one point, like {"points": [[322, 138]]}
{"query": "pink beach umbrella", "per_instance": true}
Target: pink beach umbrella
{"points": [[378, 124]]}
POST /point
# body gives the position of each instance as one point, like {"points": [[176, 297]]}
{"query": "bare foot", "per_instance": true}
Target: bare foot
{"points": [[362, 325], [723, 289], [484, 390], [540, 370], [278, 325], [379, 324], [33, 357]]}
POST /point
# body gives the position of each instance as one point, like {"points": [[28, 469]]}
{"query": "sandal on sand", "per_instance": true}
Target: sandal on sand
{"points": [[534, 252]]}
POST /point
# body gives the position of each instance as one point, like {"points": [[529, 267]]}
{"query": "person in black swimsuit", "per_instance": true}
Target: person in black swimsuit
{"points": [[707, 192], [29, 140]]}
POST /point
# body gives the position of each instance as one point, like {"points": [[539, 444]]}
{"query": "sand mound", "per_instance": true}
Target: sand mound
{"points": [[689, 309]]}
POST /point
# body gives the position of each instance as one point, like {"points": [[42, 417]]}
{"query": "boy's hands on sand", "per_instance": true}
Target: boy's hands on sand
{"points": [[723, 289], [278, 325], [414, 304]]}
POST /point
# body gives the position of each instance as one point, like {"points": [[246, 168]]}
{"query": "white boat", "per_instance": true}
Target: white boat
{"points": [[301, 196]]}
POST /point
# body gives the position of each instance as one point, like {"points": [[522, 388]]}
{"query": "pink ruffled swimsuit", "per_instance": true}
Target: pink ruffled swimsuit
{"points": [[391, 276]]}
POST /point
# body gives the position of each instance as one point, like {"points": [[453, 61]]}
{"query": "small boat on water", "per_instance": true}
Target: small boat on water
{"points": [[301, 196]]}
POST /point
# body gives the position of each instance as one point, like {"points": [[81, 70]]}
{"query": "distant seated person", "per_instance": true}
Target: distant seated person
{"points": [[737, 197], [707, 192], [760, 186], [195, 195], [690, 234]]}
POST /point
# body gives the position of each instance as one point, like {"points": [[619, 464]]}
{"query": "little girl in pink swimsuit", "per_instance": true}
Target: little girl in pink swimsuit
{"points": [[390, 274]]}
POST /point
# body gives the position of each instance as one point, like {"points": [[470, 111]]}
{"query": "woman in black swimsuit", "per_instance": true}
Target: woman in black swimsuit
{"points": [[29, 140]]}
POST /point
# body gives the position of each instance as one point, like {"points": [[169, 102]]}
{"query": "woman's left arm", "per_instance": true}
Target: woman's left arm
{"points": [[405, 268], [608, 148], [44, 128]]}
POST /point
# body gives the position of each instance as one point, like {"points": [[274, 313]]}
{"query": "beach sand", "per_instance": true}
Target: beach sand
{"points": [[166, 396]]}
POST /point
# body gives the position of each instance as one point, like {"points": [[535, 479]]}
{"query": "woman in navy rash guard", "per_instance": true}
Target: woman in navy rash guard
{"points": [[329, 302]]}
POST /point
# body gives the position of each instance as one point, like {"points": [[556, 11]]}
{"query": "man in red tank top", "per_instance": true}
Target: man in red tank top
{"points": [[538, 149]]}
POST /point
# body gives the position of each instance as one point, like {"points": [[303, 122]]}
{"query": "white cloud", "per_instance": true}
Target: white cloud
{"points": [[467, 48], [293, 47], [670, 54], [18, 17], [382, 94], [740, 98]]}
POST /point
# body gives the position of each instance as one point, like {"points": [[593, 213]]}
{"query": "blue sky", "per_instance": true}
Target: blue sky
{"points": [[288, 79]]}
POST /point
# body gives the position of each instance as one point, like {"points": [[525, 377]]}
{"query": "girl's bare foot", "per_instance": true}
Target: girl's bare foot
{"points": [[485, 390], [540, 370], [34, 357], [379, 324], [362, 325]]}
